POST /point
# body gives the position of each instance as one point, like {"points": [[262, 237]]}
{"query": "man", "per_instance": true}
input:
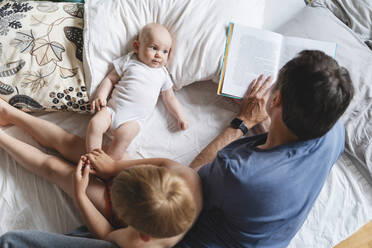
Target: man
{"points": [[259, 190]]}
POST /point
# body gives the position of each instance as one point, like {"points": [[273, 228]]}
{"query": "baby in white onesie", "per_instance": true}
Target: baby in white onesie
{"points": [[136, 81]]}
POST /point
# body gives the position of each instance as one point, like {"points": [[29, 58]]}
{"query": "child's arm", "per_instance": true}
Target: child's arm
{"points": [[104, 90], [124, 237], [105, 167], [95, 221], [174, 107]]}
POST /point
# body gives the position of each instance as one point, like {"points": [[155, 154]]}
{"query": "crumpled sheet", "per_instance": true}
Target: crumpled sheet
{"points": [[352, 184], [343, 206], [29, 202], [356, 14]]}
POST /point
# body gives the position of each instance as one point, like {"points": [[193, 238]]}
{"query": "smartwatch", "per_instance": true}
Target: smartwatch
{"points": [[239, 124]]}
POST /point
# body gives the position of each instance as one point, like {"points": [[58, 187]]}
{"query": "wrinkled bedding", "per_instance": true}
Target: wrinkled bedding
{"points": [[32, 203], [28, 202], [343, 206], [356, 14], [349, 194]]}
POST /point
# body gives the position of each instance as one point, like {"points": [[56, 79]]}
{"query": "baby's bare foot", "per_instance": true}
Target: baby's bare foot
{"points": [[5, 108]]}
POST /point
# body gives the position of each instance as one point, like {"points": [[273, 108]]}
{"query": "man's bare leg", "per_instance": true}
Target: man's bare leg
{"points": [[46, 133]]}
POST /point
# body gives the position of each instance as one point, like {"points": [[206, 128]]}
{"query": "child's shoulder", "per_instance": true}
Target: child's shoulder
{"points": [[126, 58], [121, 64]]}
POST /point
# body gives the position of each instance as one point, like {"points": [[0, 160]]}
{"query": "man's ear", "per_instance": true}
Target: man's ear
{"points": [[277, 99], [135, 46], [144, 237]]}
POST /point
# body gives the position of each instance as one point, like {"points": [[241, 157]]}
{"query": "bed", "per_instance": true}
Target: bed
{"points": [[344, 204]]}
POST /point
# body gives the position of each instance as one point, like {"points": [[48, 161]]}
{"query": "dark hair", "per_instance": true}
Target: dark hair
{"points": [[315, 92]]}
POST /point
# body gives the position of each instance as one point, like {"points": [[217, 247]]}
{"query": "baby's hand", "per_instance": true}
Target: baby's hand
{"points": [[183, 124], [99, 103]]}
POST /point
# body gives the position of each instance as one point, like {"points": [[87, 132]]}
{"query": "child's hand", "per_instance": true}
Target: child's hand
{"points": [[183, 124], [102, 164], [98, 103], [81, 178]]}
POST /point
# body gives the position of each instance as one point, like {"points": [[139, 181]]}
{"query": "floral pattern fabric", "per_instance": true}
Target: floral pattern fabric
{"points": [[41, 56]]}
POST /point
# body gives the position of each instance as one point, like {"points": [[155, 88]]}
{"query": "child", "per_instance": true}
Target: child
{"points": [[135, 82], [158, 199], [154, 201]]}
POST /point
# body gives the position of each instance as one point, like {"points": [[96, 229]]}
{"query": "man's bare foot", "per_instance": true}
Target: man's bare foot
{"points": [[5, 108]]}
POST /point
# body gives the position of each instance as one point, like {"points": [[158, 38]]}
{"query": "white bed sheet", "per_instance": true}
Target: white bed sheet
{"points": [[279, 12], [32, 203], [28, 202]]}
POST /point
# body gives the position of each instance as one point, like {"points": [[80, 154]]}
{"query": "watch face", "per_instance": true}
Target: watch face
{"points": [[235, 123]]}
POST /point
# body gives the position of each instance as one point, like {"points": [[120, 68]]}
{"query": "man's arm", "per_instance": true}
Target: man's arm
{"points": [[252, 112], [210, 151]]}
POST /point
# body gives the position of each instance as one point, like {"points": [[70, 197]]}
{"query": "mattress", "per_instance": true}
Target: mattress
{"points": [[32, 203], [28, 202]]}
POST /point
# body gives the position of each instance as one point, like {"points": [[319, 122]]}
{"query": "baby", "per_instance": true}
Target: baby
{"points": [[136, 82]]}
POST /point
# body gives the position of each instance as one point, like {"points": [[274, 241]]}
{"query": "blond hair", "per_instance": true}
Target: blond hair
{"points": [[153, 200], [150, 27]]}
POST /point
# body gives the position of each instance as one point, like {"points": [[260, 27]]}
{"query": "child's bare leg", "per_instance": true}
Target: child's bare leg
{"points": [[123, 136], [98, 125], [51, 168], [46, 133]]}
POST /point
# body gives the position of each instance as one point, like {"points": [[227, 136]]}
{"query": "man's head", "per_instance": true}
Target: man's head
{"points": [[315, 91], [153, 45], [153, 200]]}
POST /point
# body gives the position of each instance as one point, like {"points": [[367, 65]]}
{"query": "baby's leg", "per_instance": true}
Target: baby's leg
{"points": [[98, 125], [51, 168], [46, 133], [123, 136]]}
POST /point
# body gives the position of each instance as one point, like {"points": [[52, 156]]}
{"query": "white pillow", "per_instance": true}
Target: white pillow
{"points": [[199, 28]]}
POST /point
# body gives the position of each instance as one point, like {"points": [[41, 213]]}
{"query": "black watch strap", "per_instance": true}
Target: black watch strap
{"points": [[239, 124]]}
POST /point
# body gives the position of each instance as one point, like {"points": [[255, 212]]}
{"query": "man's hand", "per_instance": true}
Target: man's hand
{"points": [[102, 164], [252, 110], [98, 103], [81, 178]]}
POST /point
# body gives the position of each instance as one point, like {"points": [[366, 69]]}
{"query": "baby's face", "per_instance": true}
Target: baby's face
{"points": [[154, 48]]}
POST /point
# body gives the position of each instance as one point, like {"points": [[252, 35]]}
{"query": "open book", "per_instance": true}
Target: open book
{"points": [[250, 52]]}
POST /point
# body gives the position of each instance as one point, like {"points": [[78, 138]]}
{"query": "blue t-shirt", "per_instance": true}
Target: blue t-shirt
{"points": [[260, 198]]}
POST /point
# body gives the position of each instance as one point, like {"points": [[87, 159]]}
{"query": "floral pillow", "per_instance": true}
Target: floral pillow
{"points": [[41, 56]]}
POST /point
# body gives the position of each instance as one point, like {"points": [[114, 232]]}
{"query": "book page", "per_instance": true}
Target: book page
{"points": [[251, 52], [293, 45]]}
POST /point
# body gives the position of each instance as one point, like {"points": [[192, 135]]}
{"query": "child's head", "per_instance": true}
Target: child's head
{"points": [[153, 200], [153, 45]]}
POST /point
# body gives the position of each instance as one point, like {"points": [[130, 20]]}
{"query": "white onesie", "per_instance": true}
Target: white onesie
{"points": [[135, 95]]}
